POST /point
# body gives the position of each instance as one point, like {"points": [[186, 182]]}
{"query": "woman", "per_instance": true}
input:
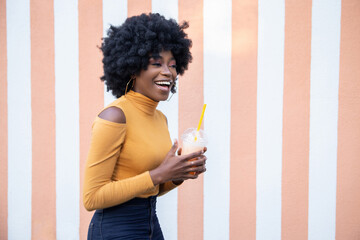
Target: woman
{"points": [[131, 160]]}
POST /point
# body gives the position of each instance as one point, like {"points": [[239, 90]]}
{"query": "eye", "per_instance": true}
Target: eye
{"points": [[172, 64], [155, 62]]}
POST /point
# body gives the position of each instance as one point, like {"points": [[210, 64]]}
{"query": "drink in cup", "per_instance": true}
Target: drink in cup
{"points": [[193, 141]]}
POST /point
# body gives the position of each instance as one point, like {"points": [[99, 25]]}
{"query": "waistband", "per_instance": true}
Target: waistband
{"points": [[145, 202]]}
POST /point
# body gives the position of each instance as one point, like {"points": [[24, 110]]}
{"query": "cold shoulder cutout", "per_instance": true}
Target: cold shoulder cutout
{"points": [[113, 114]]}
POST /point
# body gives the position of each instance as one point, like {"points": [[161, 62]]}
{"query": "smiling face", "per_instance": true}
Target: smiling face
{"points": [[157, 81]]}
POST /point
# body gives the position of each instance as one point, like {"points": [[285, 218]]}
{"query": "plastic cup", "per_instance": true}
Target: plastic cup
{"points": [[190, 145]]}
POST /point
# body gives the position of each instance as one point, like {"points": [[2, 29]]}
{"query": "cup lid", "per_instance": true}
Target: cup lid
{"points": [[190, 133]]}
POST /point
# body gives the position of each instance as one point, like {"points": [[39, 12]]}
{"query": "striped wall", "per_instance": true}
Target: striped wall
{"points": [[281, 80]]}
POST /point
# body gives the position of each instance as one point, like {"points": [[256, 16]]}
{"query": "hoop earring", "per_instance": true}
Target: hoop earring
{"points": [[131, 79], [172, 94], [174, 88]]}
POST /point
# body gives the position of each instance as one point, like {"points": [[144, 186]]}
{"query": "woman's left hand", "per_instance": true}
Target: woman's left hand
{"points": [[178, 182], [179, 168]]}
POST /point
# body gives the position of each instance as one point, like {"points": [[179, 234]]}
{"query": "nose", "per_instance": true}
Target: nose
{"points": [[165, 71]]}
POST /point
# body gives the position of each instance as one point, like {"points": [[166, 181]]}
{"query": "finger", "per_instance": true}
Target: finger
{"points": [[198, 161], [192, 155], [198, 170], [192, 176], [179, 151], [173, 148], [205, 149]]}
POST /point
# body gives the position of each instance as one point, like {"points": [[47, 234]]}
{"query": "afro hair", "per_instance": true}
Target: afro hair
{"points": [[127, 48]]}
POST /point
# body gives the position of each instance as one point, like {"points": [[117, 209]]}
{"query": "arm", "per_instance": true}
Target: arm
{"points": [[100, 191]]}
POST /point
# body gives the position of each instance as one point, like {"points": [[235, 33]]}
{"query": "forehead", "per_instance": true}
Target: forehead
{"points": [[162, 54]]}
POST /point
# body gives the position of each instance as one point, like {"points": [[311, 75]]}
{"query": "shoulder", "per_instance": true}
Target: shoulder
{"points": [[113, 114]]}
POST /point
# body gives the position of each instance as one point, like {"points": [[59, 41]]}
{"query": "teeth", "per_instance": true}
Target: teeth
{"points": [[163, 83]]}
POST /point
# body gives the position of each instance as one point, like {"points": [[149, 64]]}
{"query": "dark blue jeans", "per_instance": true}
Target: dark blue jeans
{"points": [[135, 219]]}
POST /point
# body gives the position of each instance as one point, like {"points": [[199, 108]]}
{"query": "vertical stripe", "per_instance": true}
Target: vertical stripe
{"points": [[270, 139], [191, 96], [91, 89], [243, 120], [325, 46], [19, 119], [67, 118], [167, 8], [217, 82], [137, 7], [269, 118], [167, 204], [295, 168], [3, 125], [114, 13], [348, 170], [43, 119]]}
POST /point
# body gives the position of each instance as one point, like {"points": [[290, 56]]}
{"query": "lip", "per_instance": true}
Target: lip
{"points": [[164, 88]]}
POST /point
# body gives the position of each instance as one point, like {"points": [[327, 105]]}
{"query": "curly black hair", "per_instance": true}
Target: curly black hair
{"points": [[127, 48]]}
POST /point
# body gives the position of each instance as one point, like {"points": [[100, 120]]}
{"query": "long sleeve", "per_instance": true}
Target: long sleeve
{"points": [[100, 191]]}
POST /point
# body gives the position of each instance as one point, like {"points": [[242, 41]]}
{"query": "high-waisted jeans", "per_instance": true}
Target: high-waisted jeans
{"points": [[135, 219]]}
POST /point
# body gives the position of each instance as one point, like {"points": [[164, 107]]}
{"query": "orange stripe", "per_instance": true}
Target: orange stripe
{"points": [[3, 125], [348, 170], [43, 120], [191, 97], [296, 120], [243, 120], [91, 91], [137, 7]]}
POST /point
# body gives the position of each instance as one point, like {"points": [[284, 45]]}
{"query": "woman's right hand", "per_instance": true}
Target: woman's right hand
{"points": [[178, 168]]}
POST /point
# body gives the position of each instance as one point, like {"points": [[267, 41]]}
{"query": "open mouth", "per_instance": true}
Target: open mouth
{"points": [[163, 85]]}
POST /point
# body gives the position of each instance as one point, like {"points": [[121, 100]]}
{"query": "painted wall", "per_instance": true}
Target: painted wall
{"points": [[282, 82]]}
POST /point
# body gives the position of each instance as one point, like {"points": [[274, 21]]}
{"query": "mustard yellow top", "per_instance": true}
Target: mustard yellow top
{"points": [[121, 155]]}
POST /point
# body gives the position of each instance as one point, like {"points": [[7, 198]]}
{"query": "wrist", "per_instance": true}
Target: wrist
{"points": [[155, 176], [177, 182]]}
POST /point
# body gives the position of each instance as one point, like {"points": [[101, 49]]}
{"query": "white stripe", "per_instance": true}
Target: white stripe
{"points": [[167, 204], [167, 8], [217, 96], [19, 119], [114, 13], [67, 119], [325, 54], [269, 118]]}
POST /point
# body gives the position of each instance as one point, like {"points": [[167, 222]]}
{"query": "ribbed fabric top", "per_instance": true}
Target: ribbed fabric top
{"points": [[121, 155], [142, 102]]}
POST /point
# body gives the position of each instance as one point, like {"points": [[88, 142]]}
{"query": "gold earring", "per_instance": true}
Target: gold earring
{"points": [[173, 89], [131, 79]]}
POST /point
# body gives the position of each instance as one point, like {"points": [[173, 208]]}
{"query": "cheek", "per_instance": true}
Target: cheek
{"points": [[174, 73], [148, 76]]}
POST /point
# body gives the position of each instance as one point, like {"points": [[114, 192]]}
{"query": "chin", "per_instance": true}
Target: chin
{"points": [[163, 98]]}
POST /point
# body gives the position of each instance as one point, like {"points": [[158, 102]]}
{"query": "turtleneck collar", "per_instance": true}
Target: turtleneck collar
{"points": [[142, 102]]}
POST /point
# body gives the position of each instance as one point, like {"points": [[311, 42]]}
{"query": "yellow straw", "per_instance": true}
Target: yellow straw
{"points": [[201, 118]]}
